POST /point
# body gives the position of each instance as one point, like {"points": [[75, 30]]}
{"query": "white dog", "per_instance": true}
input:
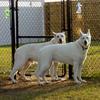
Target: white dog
{"points": [[73, 53], [29, 53]]}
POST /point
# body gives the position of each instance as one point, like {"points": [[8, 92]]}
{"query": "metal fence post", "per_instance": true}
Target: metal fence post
{"points": [[17, 25], [63, 16], [63, 28], [69, 27], [12, 28]]}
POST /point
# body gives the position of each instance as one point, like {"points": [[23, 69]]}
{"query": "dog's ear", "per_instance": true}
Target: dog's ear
{"points": [[81, 33], [88, 32], [63, 32], [54, 33]]}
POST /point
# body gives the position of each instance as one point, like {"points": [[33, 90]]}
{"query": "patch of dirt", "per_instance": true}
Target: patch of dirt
{"points": [[7, 87]]}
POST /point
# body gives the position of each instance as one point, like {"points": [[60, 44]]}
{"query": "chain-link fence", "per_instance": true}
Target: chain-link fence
{"points": [[34, 19], [89, 19], [5, 38], [41, 18]]}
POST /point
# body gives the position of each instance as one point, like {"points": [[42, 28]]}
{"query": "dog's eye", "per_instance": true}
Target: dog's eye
{"points": [[57, 36], [86, 37], [62, 36]]}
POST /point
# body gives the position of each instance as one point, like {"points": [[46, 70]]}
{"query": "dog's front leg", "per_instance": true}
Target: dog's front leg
{"points": [[75, 69], [79, 74]]}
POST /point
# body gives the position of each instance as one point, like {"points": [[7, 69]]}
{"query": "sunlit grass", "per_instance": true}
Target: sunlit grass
{"points": [[5, 59], [92, 63]]}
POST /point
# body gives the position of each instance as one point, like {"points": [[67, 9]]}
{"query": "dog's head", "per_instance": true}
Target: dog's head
{"points": [[85, 39], [59, 37]]}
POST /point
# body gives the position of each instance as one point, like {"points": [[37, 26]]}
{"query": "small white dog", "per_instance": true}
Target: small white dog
{"points": [[29, 53], [73, 53]]}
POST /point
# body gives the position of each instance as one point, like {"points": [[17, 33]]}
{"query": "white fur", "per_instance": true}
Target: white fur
{"points": [[29, 52], [73, 53]]}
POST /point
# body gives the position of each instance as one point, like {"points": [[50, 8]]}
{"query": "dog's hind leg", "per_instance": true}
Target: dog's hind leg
{"points": [[23, 71], [75, 69], [13, 73], [17, 66]]}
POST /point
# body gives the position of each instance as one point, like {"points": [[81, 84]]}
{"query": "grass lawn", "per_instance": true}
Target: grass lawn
{"points": [[5, 59], [66, 90]]}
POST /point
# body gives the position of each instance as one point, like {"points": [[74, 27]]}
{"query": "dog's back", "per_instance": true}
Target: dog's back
{"points": [[66, 53]]}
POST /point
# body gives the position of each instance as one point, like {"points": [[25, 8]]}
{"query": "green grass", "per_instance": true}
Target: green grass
{"points": [[92, 63], [66, 90], [5, 59]]}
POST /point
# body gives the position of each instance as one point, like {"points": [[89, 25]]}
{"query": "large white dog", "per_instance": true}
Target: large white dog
{"points": [[29, 52], [73, 53]]}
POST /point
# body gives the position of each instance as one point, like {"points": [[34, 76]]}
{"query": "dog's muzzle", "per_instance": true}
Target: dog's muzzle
{"points": [[60, 41], [84, 47], [85, 43]]}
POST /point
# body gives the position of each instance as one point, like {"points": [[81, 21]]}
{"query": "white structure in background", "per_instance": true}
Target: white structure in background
{"points": [[78, 8], [5, 37], [31, 20]]}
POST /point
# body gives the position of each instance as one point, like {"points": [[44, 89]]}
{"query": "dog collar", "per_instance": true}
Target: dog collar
{"points": [[84, 48]]}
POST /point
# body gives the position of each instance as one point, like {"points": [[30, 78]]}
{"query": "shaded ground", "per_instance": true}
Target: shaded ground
{"points": [[7, 88]]}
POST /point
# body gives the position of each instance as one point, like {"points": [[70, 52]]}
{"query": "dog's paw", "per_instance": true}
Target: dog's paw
{"points": [[78, 82], [41, 83], [84, 81], [53, 80], [47, 82], [56, 79], [14, 81], [27, 79]]}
